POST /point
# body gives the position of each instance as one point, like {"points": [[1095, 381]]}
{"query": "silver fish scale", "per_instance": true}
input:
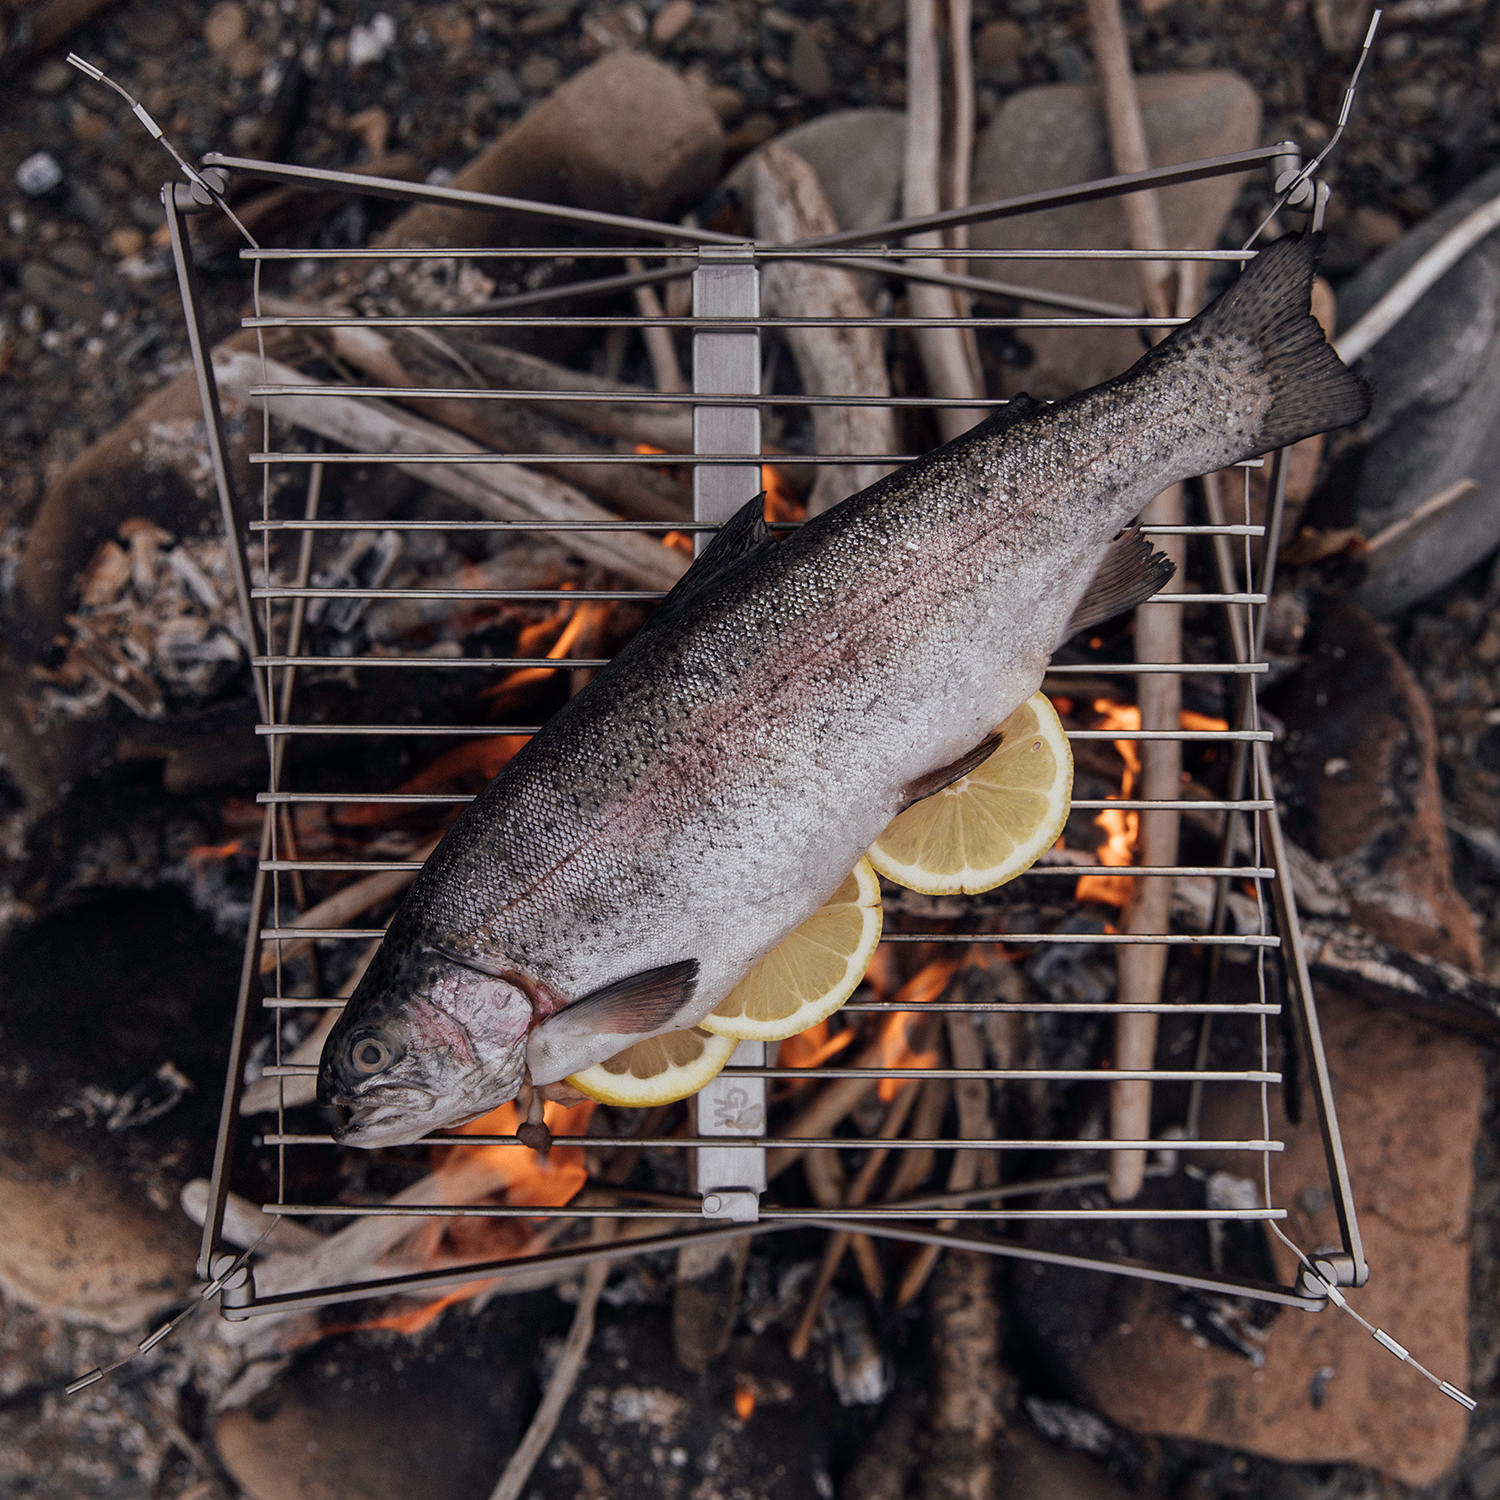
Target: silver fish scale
{"points": [[709, 791]]}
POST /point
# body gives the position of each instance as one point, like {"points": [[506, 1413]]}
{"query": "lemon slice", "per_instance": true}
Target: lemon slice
{"points": [[657, 1071], [811, 971], [991, 824]]}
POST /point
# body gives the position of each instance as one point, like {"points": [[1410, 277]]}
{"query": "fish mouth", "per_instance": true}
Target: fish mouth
{"points": [[393, 1115]]}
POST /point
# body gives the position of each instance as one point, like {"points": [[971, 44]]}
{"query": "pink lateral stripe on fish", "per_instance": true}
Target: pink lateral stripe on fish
{"points": [[711, 787]]}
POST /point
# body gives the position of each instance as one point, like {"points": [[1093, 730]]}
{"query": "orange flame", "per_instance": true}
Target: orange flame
{"points": [[522, 1175], [206, 854], [896, 1049], [813, 1047], [573, 620], [781, 503], [744, 1398], [1120, 828], [482, 758]]}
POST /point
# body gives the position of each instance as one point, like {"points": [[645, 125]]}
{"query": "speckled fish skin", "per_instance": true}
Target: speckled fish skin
{"points": [[712, 787]]}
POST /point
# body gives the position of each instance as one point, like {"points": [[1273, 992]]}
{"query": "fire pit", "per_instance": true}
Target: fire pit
{"points": [[449, 525]]}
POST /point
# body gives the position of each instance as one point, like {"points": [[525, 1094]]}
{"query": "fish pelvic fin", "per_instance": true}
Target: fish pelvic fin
{"points": [[932, 782], [1311, 388], [589, 1029], [1131, 572]]}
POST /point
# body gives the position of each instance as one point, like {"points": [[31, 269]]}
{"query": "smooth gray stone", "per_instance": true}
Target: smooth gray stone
{"points": [[1053, 136], [1436, 413], [857, 156]]}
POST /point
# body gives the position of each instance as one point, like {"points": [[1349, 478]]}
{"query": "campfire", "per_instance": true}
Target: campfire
{"points": [[463, 461], [889, 1103]]}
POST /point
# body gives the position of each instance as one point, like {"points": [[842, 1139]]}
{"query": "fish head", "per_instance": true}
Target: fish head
{"points": [[426, 1041]]}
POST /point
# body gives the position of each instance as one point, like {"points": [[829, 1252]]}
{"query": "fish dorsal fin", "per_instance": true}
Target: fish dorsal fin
{"points": [[588, 1030], [1016, 409], [1130, 573], [743, 536]]}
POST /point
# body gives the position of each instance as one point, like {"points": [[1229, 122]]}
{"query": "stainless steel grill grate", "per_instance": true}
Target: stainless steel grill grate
{"points": [[734, 1131]]}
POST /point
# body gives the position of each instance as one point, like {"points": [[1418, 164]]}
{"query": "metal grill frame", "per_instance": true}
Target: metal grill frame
{"points": [[731, 1141]]}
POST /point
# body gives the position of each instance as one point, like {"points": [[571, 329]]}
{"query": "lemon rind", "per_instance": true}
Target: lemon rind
{"points": [[643, 1097], [968, 880]]}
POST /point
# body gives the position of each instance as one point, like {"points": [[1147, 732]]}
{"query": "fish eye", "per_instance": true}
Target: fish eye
{"points": [[369, 1054]]}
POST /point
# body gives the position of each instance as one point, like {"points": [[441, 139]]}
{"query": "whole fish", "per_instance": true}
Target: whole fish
{"points": [[709, 790]]}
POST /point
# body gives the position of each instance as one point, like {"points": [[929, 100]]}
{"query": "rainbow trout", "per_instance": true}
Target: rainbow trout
{"points": [[709, 790]]}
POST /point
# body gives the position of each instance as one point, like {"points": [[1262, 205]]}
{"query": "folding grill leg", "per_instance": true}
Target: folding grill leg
{"points": [[727, 362]]}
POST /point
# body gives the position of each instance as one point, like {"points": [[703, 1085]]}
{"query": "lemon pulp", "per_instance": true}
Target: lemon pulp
{"points": [[657, 1071], [811, 971], [994, 822]]}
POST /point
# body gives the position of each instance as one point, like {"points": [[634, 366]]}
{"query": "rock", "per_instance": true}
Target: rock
{"points": [[726, 102], [546, 20], [857, 156], [539, 73], [998, 46], [150, 29], [127, 240], [1436, 376], [59, 293], [808, 65], [1054, 135], [671, 21], [504, 88], [370, 1413], [591, 143], [38, 174], [1409, 1101], [1374, 228], [1362, 787], [224, 26], [89, 1227], [370, 41], [51, 77]]}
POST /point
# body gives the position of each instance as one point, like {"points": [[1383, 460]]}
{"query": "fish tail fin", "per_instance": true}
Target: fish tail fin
{"points": [[1310, 387]]}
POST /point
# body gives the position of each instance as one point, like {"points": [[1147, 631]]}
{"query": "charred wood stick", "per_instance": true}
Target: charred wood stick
{"points": [[343, 907], [838, 1241], [245, 1222], [1140, 968], [660, 349], [914, 1167], [848, 361], [968, 1385], [617, 413], [829, 1184], [1127, 141], [1350, 959], [506, 491], [639, 491], [564, 1377], [971, 1095], [418, 358], [949, 356], [836, 1101]]}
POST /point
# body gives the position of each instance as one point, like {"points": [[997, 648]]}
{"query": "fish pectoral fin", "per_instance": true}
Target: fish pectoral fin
{"points": [[935, 781], [581, 1033], [1131, 572]]}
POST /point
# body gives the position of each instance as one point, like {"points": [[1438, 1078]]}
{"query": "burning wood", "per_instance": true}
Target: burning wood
{"points": [[790, 206], [508, 491]]}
